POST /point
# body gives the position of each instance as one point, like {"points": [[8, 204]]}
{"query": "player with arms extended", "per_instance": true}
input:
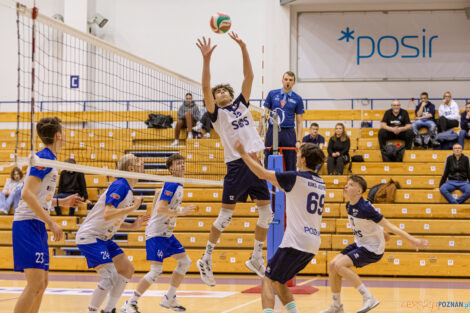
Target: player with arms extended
{"points": [[233, 121]]}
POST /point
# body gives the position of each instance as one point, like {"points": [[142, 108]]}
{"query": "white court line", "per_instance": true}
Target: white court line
{"points": [[259, 298]]}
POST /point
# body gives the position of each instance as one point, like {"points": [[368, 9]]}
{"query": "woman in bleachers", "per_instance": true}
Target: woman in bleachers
{"points": [[11, 193], [449, 114], [338, 151]]}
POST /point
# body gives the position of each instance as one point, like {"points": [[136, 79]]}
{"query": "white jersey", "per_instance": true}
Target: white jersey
{"points": [[49, 178], [162, 225], [119, 194], [363, 219], [235, 122], [305, 195]]}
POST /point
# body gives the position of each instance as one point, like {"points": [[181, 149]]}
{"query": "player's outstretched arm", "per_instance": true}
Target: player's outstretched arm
{"points": [[164, 208], [111, 212], [206, 50], [138, 222], [247, 69], [417, 243], [255, 166]]}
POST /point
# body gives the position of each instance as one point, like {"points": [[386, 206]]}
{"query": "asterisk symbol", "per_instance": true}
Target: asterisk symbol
{"points": [[347, 34]]}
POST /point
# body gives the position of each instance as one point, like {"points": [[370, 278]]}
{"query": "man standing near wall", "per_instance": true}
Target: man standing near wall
{"points": [[289, 107]]}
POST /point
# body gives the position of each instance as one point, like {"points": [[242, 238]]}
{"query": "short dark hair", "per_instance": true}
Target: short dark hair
{"points": [[16, 169], [47, 127], [223, 86], [71, 161], [424, 93], [172, 158], [188, 94], [313, 155], [314, 124], [289, 73], [361, 181]]}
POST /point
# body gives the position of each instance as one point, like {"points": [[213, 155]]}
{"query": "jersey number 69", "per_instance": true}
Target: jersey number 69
{"points": [[315, 203]]}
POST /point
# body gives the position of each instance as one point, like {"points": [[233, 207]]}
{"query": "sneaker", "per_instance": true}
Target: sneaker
{"points": [[334, 309], [190, 135], [175, 143], [205, 269], [198, 127], [207, 135], [368, 304], [129, 307], [172, 304], [256, 265], [113, 311]]}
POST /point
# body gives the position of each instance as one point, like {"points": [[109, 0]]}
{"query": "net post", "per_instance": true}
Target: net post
{"points": [[275, 134], [276, 228]]}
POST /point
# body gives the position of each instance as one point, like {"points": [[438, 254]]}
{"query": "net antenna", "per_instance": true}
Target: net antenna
{"points": [[104, 97]]}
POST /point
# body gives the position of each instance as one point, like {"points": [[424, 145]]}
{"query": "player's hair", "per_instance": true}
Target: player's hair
{"points": [[467, 103], [424, 93], [223, 86], [314, 124], [344, 136], [47, 127], [289, 73], [125, 161], [188, 94], [361, 181], [313, 155], [173, 158], [16, 170], [71, 161]]}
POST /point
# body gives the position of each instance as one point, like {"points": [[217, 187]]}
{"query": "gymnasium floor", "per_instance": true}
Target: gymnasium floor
{"points": [[70, 292]]}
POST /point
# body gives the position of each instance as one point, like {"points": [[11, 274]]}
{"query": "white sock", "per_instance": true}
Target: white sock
{"points": [[116, 292], [171, 292], [291, 307], [363, 291], [258, 249], [208, 254], [97, 298], [336, 299], [135, 297], [190, 135]]}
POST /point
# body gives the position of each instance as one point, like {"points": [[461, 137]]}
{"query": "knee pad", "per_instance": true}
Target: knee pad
{"points": [[265, 216], [108, 275], [183, 265], [155, 271], [224, 219]]}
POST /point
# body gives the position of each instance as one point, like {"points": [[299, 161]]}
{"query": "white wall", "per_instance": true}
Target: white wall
{"points": [[375, 89]]}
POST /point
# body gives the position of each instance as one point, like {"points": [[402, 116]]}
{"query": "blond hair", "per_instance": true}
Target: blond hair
{"points": [[125, 161]]}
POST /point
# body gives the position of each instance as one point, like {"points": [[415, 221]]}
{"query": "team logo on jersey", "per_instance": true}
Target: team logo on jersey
{"points": [[115, 196], [40, 168], [283, 103], [168, 193]]}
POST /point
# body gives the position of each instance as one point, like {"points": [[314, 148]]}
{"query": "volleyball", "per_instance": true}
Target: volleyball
{"points": [[220, 23]]}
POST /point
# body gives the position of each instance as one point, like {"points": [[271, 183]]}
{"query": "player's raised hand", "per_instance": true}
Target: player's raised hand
{"points": [[190, 209], [137, 202], [237, 39], [205, 46], [239, 147], [72, 201], [140, 220], [420, 243]]}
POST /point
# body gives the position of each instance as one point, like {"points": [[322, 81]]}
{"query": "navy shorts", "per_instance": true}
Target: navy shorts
{"points": [[240, 182], [159, 248], [100, 252], [30, 248], [360, 255], [286, 263]]}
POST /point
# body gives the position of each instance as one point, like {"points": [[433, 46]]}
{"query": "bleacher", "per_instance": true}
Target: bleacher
{"points": [[419, 207]]}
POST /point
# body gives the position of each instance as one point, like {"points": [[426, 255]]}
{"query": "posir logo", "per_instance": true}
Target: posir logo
{"points": [[388, 46]]}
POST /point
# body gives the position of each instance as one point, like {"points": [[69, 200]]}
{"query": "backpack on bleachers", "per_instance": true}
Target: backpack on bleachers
{"points": [[159, 121], [392, 153], [383, 193]]}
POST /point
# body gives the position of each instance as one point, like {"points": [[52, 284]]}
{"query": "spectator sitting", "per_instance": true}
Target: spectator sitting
{"points": [[395, 125], [338, 150], [205, 124], [314, 137], [424, 113], [187, 116], [71, 183], [448, 113], [464, 125], [11, 193], [456, 176]]}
